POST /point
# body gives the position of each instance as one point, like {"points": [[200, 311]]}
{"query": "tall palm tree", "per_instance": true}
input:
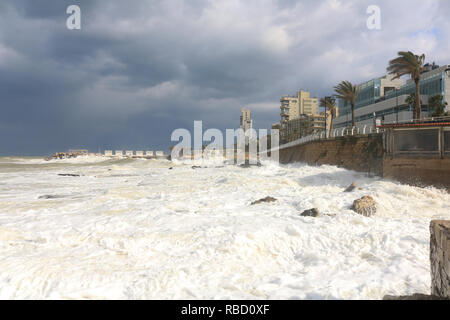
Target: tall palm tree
{"points": [[329, 103], [408, 63], [348, 92]]}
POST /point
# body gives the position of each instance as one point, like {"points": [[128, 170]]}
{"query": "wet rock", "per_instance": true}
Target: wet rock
{"points": [[314, 212], [266, 199], [49, 196], [171, 168], [68, 175], [365, 206], [196, 167], [415, 296], [248, 165], [351, 187]]}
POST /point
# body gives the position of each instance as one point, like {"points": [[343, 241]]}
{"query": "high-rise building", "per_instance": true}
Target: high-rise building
{"points": [[292, 107], [246, 119]]}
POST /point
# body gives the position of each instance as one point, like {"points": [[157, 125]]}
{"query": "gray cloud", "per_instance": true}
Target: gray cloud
{"points": [[137, 70]]}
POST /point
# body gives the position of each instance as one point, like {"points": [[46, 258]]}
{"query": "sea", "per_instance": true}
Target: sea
{"points": [[102, 228]]}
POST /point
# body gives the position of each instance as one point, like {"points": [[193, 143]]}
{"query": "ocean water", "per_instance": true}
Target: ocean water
{"points": [[135, 229]]}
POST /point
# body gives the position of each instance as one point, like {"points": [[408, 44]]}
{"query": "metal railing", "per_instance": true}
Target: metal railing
{"points": [[443, 119], [335, 133]]}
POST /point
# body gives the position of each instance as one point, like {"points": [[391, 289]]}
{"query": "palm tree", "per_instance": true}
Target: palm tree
{"points": [[329, 103], [348, 92], [408, 63], [411, 100], [437, 105]]}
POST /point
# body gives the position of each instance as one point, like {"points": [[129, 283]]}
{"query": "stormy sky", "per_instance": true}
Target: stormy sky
{"points": [[139, 69]]}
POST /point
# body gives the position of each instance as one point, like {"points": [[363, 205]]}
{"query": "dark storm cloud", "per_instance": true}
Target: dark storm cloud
{"points": [[139, 69]]}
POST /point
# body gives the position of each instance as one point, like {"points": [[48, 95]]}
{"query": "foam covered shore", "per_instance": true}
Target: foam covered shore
{"points": [[133, 229]]}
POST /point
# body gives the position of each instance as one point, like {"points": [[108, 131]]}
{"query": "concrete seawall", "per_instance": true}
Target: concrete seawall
{"points": [[366, 153], [440, 258], [420, 171], [359, 153]]}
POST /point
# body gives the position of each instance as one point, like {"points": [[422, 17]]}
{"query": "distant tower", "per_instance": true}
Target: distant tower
{"points": [[246, 119]]}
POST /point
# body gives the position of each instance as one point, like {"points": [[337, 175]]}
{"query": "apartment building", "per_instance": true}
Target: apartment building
{"points": [[292, 107]]}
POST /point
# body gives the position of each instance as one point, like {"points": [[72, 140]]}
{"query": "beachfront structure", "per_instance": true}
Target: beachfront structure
{"points": [[108, 153], [149, 153], [129, 153], [119, 153], [79, 152], [159, 153], [302, 126], [139, 153], [386, 99], [292, 107]]}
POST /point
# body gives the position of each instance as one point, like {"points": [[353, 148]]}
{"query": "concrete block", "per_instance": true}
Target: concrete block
{"points": [[440, 258]]}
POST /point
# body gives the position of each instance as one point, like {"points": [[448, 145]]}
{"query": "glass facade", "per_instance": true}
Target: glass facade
{"points": [[429, 86], [369, 92]]}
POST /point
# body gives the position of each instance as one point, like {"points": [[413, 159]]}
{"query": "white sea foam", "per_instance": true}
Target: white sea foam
{"points": [[131, 229]]}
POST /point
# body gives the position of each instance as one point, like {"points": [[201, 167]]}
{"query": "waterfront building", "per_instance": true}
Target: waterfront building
{"points": [[292, 107], [302, 126], [299, 115], [385, 99]]}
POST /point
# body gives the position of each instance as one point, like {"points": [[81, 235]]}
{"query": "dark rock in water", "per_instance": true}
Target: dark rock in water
{"points": [[68, 175], [266, 199], [49, 196], [196, 167], [248, 165], [170, 168], [365, 206], [351, 187], [314, 212], [415, 296]]}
